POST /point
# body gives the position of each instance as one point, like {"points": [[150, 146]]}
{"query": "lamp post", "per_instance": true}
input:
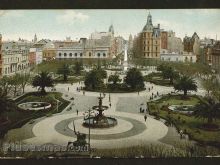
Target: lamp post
{"points": [[89, 133]]}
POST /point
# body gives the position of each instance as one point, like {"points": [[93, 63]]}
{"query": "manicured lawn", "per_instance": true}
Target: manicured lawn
{"points": [[20, 117], [156, 78], [188, 123], [71, 79], [52, 66]]}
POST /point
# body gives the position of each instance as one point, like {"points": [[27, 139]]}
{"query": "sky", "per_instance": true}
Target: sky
{"points": [[59, 24]]}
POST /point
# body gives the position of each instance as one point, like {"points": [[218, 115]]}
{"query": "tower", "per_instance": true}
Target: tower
{"points": [[35, 38], [111, 29]]}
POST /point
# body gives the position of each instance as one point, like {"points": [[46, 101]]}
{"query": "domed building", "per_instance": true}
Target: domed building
{"points": [[149, 40]]}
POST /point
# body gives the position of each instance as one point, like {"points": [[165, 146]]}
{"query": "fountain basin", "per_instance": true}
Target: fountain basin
{"points": [[186, 109], [104, 122], [34, 106]]}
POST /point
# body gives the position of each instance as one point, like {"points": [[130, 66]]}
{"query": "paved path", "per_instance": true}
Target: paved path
{"points": [[131, 129]]}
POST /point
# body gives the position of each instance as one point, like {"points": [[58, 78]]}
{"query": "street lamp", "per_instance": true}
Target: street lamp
{"points": [[89, 133]]}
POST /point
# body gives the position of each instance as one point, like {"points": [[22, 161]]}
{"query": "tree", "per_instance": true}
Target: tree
{"points": [[114, 78], [15, 82], [6, 104], [208, 84], [93, 80], [5, 85], [134, 79], [43, 80], [78, 67], [207, 109], [185, 83], [169, 73], [24, 80], [65, 71]]}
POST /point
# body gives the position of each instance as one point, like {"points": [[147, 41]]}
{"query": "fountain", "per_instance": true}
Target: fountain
{"points": [[99, 120]]}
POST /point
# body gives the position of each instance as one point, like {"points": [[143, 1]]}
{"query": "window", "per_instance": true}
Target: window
{"points": [[81, 54], [156, 54], [98, 54], [156, 48], [90, 54], [75, 54], [148, 48], [104, 54], [70, 54], [144, 47], [64, 54], [156, 42]]}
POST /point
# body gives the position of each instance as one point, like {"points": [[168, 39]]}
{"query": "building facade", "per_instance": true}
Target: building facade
{"points": [[216, 56], [178, 57], [174, 44], [148, 41], [49, 52], [15, 57], [164, 40]]}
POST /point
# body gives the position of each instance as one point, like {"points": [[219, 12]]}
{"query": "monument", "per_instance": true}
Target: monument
{"points": [[125, 63]]}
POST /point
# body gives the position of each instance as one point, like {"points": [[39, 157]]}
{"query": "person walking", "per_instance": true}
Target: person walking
{"points": [[110, 105], [109, 98], [77, 112], [68, 89], [145, 117]]}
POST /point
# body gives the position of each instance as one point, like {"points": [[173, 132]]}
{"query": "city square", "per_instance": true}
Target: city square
{"points": [[154, 95]]}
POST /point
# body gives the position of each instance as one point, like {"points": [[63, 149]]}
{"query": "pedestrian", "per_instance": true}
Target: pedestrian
{"points": [[152, 93], [84, 93], [140, 109], [149, 89], [68, 89], [110, 105], [77, 112], [109, 98], [76, 88], [145, 117], [181, 134], [152, 87], [157, 93]]}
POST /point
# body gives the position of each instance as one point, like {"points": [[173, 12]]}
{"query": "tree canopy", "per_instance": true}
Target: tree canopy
{"points": [[43, 80], [65, 71], [185, 83], [134, 79], [207, 109]]}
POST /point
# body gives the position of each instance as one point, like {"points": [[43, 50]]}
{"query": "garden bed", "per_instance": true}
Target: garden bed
{"points": [[186, 122], [20, 117]]}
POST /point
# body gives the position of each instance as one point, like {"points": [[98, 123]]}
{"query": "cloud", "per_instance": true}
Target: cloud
{"points": [[70, 17]]}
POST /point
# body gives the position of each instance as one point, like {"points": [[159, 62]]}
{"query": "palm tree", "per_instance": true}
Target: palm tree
{"points": [[43, 80], [185, 83], [208, 109], [65, 71]]}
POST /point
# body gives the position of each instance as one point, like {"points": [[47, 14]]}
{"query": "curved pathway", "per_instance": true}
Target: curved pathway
{"points": [[131, 129]]}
